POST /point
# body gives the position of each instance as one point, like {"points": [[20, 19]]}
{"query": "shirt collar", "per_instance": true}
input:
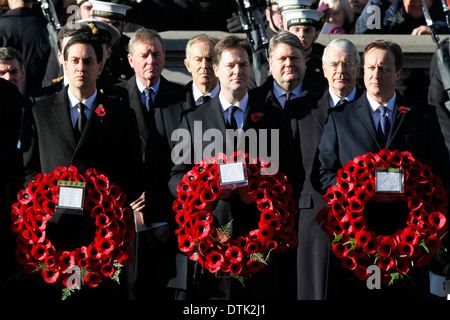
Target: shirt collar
{"points": [[242, 104], [197, 93], [278, 92], [89, 102], [390, 104], [335, 99], [141, 87]]}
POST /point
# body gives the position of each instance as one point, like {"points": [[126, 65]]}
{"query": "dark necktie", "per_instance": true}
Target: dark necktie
{"points": [[231, 121], [203, 99], [384, 125], [288, 96], [82, 119], [340, 102], [149, 101]]}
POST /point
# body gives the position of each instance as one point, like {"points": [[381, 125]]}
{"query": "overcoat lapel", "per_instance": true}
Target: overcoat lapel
{"points": [[320, 114], [62, 114], [363, 113], [397, 121], [136, 104], [92, 123]]}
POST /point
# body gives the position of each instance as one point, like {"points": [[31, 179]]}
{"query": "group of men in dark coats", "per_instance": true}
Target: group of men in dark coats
{"points": [[132, 143]]}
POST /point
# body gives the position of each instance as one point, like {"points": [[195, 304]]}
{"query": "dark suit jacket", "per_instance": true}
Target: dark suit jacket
{"points": [[350, 132], [308, 116], [151, 277], [167, 90], [158, 166], [158, 152], [26, 31], [109, 144], [11, 169], [211, 117]]}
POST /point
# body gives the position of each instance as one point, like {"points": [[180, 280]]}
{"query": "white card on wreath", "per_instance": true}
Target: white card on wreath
{"points": [[233, 175], [71, 195], [389, 180]]}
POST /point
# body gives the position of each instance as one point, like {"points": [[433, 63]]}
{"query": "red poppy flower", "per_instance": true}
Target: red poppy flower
{"points": [[104, 246], [185, 243], [405, 249], [437, 220], [256, 117], [361, 273], [385, 263], [340, 250], [24, 196], [50, 274], [213, 261], [402, 265], [265, 233], [387, 245], [235, 268], [252, 247], [234, 254], [100, 111], [107, 270], [203, 228], [92, 279], [39, 252], [71, 282], [402, 109], [255, 266], [349, 262], [372, 246], [433, 243]]}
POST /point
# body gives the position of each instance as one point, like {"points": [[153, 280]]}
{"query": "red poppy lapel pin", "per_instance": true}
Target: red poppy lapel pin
{"points": [[403, 110], [256, 116], [100, 111]]}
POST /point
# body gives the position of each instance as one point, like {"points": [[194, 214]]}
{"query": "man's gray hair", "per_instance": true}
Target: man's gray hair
{"points": [[285, 37], [198, 38], [343, 45]]}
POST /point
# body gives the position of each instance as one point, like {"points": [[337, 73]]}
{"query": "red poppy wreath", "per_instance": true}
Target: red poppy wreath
{"points": [[212, 246], [103, 257], [396, 254]]}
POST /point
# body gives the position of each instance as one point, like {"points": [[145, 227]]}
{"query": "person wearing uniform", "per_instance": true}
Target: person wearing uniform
{"points": [[26, 31], [116, 69], [306, 25]]}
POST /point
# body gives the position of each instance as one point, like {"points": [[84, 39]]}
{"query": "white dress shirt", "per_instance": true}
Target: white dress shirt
{"points": [[198, 94], [376, 114], [73, 101], [239, 114]]}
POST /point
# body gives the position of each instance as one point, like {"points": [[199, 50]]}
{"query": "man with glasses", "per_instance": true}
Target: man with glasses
{"points": [[273, 17], [368, 124], [308, 114]]}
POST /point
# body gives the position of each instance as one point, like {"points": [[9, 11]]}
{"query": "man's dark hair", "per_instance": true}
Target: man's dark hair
{"points": [[387, 45], [86, 38], [69, 31], [232, 42], [10, 53]]}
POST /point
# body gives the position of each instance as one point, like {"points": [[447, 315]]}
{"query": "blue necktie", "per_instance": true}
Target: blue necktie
{"points": [[384, 125], [149, 101], [231, 121]]}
